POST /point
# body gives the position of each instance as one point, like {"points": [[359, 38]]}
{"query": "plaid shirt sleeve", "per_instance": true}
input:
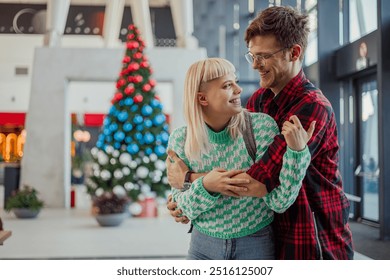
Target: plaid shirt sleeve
{"points": [[268, 168]]}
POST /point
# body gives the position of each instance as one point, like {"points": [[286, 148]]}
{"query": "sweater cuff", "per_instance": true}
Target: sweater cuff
{"points": [[199, 190]]}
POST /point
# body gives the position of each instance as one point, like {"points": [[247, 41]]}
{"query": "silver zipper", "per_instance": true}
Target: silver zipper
{"points": [[317, 237]]}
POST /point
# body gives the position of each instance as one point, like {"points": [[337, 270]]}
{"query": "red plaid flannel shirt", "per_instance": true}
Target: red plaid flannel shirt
{"points": [[315, 226]]}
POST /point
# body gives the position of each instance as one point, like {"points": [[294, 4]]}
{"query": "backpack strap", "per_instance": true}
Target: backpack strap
{"points": [[249, 137]]}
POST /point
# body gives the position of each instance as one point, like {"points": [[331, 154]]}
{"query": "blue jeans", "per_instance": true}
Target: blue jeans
{"points": [[256, 246]]}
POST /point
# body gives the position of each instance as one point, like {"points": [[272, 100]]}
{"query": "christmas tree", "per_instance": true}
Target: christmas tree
{"points": [[129, 156]]}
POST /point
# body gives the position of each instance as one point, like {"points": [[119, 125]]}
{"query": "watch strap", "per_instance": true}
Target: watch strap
{"points": [[187, 177]]}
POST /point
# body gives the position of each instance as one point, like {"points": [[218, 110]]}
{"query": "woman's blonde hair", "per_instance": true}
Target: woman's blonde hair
{"points": [[201, 72]]}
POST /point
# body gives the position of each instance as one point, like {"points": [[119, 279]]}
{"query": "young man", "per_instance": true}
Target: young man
{"points": [[316, 225]]}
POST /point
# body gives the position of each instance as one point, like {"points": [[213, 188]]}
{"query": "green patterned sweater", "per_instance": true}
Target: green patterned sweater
{"points": [[229, 217]]}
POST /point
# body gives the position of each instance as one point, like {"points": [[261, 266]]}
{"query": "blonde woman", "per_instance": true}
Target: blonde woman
{"points": [[228, 226]]}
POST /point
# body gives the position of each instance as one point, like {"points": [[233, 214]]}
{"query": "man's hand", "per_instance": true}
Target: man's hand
{"points": [[220, 181], [176, 212], [176, 170], [254, 187]]}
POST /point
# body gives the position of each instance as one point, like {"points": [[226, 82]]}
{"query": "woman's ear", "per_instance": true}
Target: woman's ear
{"points": [[202, 99]]}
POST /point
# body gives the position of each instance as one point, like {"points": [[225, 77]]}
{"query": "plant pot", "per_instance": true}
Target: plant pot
{"points": [[25, 213], [111, 220]]}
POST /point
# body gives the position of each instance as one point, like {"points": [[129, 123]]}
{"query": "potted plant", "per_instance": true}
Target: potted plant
{"points": [[24, 203], [110, 209]]}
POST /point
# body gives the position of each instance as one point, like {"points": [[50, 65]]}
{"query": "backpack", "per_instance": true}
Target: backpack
{"points": [[249, 137]]}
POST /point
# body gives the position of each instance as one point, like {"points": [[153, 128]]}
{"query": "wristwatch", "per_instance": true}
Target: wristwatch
{"points": [[187, 180]]}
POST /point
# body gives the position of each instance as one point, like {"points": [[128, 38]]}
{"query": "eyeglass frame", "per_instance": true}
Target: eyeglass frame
{"points": [[258, 58]]}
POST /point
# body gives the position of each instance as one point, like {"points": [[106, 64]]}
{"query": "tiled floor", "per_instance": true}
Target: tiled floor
{"points": [[74, 234]]}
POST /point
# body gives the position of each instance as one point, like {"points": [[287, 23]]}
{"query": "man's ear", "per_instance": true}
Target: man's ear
{"points": [[296, 52], [202, 99]]}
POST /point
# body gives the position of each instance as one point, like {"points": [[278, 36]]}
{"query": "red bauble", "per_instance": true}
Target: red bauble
{"points": [[132, 45], [138, 78], [157, 97], [146, 88], [120, 83], [152, 82], [137, 55], [126, 59], [138, 98], [129, 90], [144, 64], [117, 96]]}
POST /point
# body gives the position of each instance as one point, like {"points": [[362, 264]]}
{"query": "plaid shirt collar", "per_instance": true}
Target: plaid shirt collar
{"points": [[290, 91]]}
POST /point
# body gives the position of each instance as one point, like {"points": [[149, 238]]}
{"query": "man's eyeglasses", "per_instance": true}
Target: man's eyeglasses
{"points": [[260, 59]]}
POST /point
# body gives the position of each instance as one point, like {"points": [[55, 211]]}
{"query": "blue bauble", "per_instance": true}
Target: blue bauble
{"points": [[148, 151], [146, 110], [128, 139], [138, 119], [101, 137], [106, 121], [122, 116], [159, 150], [108, 138], [164, 137], [113, 127], [166, 127], [148, 123], [113, 111], [154, 103], [134, 108], [159, 119], [119, 136], [127, 127], [129, 101], [140, 127], [99, 144], [138, 136], [148, 138], [117, 145], [132, 149], [106, 131], [121, 103]]}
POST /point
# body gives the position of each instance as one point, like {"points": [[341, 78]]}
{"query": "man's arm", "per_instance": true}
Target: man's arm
{"points": [[267, 169]]}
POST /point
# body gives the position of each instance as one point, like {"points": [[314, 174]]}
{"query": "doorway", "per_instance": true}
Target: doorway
{"points": [[367, 152]]}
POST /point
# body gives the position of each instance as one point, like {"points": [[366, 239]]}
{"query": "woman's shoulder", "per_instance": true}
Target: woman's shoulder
{"points": [[179, 133]]}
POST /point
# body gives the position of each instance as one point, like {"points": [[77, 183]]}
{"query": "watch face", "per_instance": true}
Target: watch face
{"points": [[186, 186]]}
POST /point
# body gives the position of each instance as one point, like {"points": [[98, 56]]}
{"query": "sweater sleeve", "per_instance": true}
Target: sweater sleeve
{"points": [[293, 171], [295, 164], [196, 199]]}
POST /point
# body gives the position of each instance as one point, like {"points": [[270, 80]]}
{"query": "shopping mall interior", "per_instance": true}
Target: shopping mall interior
{"points": [[60, 77]]}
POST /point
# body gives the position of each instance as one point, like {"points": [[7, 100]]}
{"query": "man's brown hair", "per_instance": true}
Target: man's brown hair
{"points": [[287, 25]]}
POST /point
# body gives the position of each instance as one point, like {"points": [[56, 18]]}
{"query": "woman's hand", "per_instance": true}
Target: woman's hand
{"points": [[295, 135]]}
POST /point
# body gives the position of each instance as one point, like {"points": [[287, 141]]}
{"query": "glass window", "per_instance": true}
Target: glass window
{"points": [[362, 18], [311, 55]]}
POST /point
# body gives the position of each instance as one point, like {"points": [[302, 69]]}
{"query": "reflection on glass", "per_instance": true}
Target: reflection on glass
{"points": [[362, 18], [369, 137], [311, 54]]}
